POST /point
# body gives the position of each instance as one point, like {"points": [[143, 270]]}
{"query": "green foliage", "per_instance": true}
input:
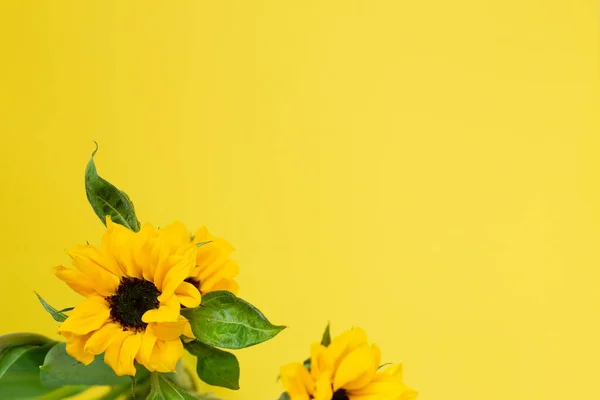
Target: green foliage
{"points": [[164, 389], [21, 354], [215, 367], [60, 369], [15, 345], [58, 315], [226, 321], [106, 199]]}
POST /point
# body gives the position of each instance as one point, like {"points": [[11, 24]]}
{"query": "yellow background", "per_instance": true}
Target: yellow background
{"points": [[427, 170]]}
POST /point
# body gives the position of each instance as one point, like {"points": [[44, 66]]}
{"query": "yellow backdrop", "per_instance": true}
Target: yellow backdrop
{"points": [[426, 170]]}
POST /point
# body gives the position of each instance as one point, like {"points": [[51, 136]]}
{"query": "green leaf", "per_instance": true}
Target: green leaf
{"points": [[326, 340], [58, 315], [60, 369], [215, 367], [106, 199], [224, 320], [21, 374], [284, 396], [164, 389], [14, 345]]}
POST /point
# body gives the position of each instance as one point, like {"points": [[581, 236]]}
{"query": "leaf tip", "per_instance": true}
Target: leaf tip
{"points": [[96, 149]]}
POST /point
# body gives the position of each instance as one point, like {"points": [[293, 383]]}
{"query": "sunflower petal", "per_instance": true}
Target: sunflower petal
{"points": [[187, 330], [177, 273], [188, 294], [118, 243], [113, 352], [76, 348], [76, 280], [356, 370], [176, 234], [297, 381], [224, 284], [323, 389], [129, 349], [146, 347], [88, 316], [226, 270], [165, 356], [95, 255], [101, 338], [345, 343], [168, 311], [168, 330], [105, 282]]}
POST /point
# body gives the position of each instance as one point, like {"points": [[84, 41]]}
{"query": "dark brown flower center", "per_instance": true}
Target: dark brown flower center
{"points": [[134, 297], [340, 394]]}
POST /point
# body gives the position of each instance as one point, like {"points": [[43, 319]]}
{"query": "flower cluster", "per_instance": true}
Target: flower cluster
{"points": [[346, 369], [150, 294], [135, 285]]}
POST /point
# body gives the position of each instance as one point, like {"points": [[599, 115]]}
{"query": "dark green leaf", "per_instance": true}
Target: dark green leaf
{"points": [[106, 199], [61, 369], [164, 389], [326, 340], [215, 367], [21, 380], [58, 316], [284, 396], [224, 320]]}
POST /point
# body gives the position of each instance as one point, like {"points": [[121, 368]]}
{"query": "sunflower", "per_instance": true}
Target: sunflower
{"points": [[214, 269], [348, 369], [134, 287]]}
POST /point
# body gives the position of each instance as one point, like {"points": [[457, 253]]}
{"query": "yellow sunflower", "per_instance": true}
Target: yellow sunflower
{"points": [[348, 369], [134, 287], [214, 269]]}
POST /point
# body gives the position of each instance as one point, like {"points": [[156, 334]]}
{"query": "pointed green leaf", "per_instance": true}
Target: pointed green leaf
{"points": [[326, 340], [284, 396], [226, 321], [58, 316], [106, 199], [60, 369], [164, 389], [215, 367]]}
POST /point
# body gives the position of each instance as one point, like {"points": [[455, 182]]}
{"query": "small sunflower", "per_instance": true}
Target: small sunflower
{"points": [[348, 369], [214, 269], [134, 287]]}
